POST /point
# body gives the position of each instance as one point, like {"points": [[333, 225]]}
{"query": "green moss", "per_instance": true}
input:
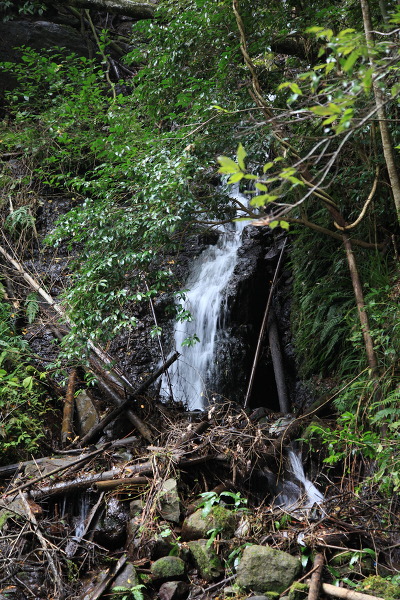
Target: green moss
{"points": [[168, 567], [378, 586], [298, 591]]}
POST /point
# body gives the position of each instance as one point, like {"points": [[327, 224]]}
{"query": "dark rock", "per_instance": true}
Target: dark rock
{"points": [[173, 590], [111, 530], [206, 560], [168, 568], [127, 578], [264, 569], [38, 35]]}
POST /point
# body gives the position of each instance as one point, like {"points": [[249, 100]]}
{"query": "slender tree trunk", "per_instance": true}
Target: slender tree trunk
{"points": [[387, 145], [358, 293]]}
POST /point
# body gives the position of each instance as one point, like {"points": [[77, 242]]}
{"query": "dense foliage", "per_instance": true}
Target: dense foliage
{"points": [[139, 159]]}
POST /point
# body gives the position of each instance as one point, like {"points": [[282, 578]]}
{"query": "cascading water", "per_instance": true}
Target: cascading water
{"points": [[298, 494], [208, 278]]}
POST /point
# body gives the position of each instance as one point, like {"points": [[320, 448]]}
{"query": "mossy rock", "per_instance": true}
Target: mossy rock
{"points": [[168, 568], [206, 560], [375, 585], [196, 526], [264, 569]]}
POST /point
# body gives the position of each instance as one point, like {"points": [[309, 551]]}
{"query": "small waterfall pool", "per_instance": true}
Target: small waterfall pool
{"points": [[192, 374]]}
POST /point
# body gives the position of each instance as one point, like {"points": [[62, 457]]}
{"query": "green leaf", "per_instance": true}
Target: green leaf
{"points": [[228, 166], [236, 177], [261, 186], [241, 155]]}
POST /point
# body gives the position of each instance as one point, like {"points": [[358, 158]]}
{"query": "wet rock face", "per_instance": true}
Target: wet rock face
{"points": [[111, 531]]}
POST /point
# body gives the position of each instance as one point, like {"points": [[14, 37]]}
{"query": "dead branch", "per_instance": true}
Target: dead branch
{"points": [[68, 414], [82, 460], [58, 585], [337, 592], [276, 355], [315, 583], [103, 585], [111, 484], [128, 8], [123, 405]]}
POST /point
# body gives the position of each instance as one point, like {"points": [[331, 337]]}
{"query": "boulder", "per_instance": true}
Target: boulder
{"points": [[196, 525], [87, 413], [264, 569], [127, 578], [173, 590], [168, 568], [206, 560], [169, 501]]}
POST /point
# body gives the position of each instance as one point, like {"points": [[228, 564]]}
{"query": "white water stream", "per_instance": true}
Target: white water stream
{"points": [[211, 271], [298, 494]]}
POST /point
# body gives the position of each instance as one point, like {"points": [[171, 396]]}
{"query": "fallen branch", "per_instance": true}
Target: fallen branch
{"points": [[82, 460], [123, 405], [315, 583], [103, 585], [111, 484], [58, 585], [337, 592], [68, 413]]}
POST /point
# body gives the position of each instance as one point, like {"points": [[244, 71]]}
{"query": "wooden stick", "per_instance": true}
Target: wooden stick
{"points": [[68, 413], [263, 326], [337, 592], [315, 583], [111, 484], [276, 355], [123, 405], [103, 585]]}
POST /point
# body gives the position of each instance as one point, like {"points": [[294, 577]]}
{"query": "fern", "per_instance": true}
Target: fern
{"points": [[31, 307]]}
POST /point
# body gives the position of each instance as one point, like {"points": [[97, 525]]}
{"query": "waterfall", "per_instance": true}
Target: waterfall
{"points": [[298, 494], [205, 300]]}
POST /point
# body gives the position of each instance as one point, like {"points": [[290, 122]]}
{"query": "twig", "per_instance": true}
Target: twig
{"points": [[58, 586]]}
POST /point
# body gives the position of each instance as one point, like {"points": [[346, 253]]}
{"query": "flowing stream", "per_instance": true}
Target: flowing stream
{"points": [[211, 271], [298, 494]]}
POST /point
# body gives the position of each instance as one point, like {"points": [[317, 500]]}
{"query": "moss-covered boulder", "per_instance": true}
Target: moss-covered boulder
{"points": [[264, 569], [168, 568], [374, 585], [197, 525], [206, 560]]}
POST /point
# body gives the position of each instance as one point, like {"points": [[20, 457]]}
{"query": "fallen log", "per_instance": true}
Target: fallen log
{"points": [[8, 470], [315, 583], [81, 459], [86, 481], [337, 592], [68, 413], [124, 405], [111, 484]]}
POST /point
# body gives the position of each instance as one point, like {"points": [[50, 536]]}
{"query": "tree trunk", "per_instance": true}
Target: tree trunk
{"points": [[359, 296], [387, 145]]}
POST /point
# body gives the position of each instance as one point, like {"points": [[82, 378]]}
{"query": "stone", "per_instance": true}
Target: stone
{"points": [[87, 413], [206, 560], [127, 578], [196, 525], [111, 530], [47, 465], [169, 500], [173, 590], [168, 568], [264, 569]]}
